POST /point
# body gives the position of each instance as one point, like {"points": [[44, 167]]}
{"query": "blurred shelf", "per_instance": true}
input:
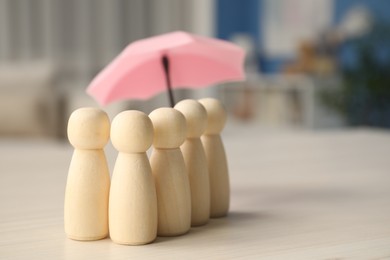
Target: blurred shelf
{"points": [[282, 100]]}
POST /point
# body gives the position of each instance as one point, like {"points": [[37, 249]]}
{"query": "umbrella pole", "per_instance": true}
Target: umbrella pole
{"points": [[165, 62]]}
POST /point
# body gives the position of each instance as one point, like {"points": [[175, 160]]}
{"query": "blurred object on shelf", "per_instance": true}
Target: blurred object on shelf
{"points": [[311, 61], [357, 22], [244, 105]]}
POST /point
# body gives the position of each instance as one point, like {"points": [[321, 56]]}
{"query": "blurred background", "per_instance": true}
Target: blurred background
{"points": [[311, 64]]}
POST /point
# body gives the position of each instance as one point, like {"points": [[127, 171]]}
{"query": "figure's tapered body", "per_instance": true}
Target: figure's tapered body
{"points": [[88, 183], [86, 196], [219, 178], [173, 191], [195, 160], [133, 201], [216, 158], [170, 173]]}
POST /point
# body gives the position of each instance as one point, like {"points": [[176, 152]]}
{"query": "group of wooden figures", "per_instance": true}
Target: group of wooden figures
{"points": [[184, 183]]}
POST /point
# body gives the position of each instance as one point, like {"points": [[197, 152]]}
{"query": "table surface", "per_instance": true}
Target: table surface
{"points": [[295, 195]]}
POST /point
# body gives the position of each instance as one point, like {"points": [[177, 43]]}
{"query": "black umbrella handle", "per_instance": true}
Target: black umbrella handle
{"points": [[165, 62]]}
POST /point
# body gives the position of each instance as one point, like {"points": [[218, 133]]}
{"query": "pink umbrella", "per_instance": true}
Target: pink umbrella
{"points": [[178, 59]]}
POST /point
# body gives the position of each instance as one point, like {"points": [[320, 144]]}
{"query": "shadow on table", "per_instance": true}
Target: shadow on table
{"points": [[271, 197], [232, 220]]}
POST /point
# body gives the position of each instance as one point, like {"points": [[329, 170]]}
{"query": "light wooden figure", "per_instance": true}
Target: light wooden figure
{"points": [[133, 201], [216, 157], [88, 184], [195, 160], [170, 173]]}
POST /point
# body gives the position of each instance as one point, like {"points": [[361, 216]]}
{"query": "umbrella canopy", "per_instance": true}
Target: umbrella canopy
{"points": [[178, 60]]}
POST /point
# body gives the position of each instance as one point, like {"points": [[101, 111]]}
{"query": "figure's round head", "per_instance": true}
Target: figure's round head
{"points": [[88, 128], [195, 115], [216, 115], [132, 132], [170, 128]]}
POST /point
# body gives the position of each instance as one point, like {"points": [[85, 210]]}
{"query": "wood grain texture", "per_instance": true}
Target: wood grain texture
{"points": [[294, 195]]}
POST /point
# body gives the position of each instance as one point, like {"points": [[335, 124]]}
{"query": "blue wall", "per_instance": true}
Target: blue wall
{"points": [[238, 16]]}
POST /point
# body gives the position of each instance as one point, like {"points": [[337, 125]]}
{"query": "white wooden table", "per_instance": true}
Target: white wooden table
{"points": [[295, 195]]}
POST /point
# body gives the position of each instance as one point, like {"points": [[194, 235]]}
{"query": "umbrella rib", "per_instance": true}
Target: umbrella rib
{"points": [[165, 62]]}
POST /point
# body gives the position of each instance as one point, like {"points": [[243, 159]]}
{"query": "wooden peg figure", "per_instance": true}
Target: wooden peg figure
{"points": [[216, 157], [88, 184], [133, 201], [170, 173], [195, 160]]}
